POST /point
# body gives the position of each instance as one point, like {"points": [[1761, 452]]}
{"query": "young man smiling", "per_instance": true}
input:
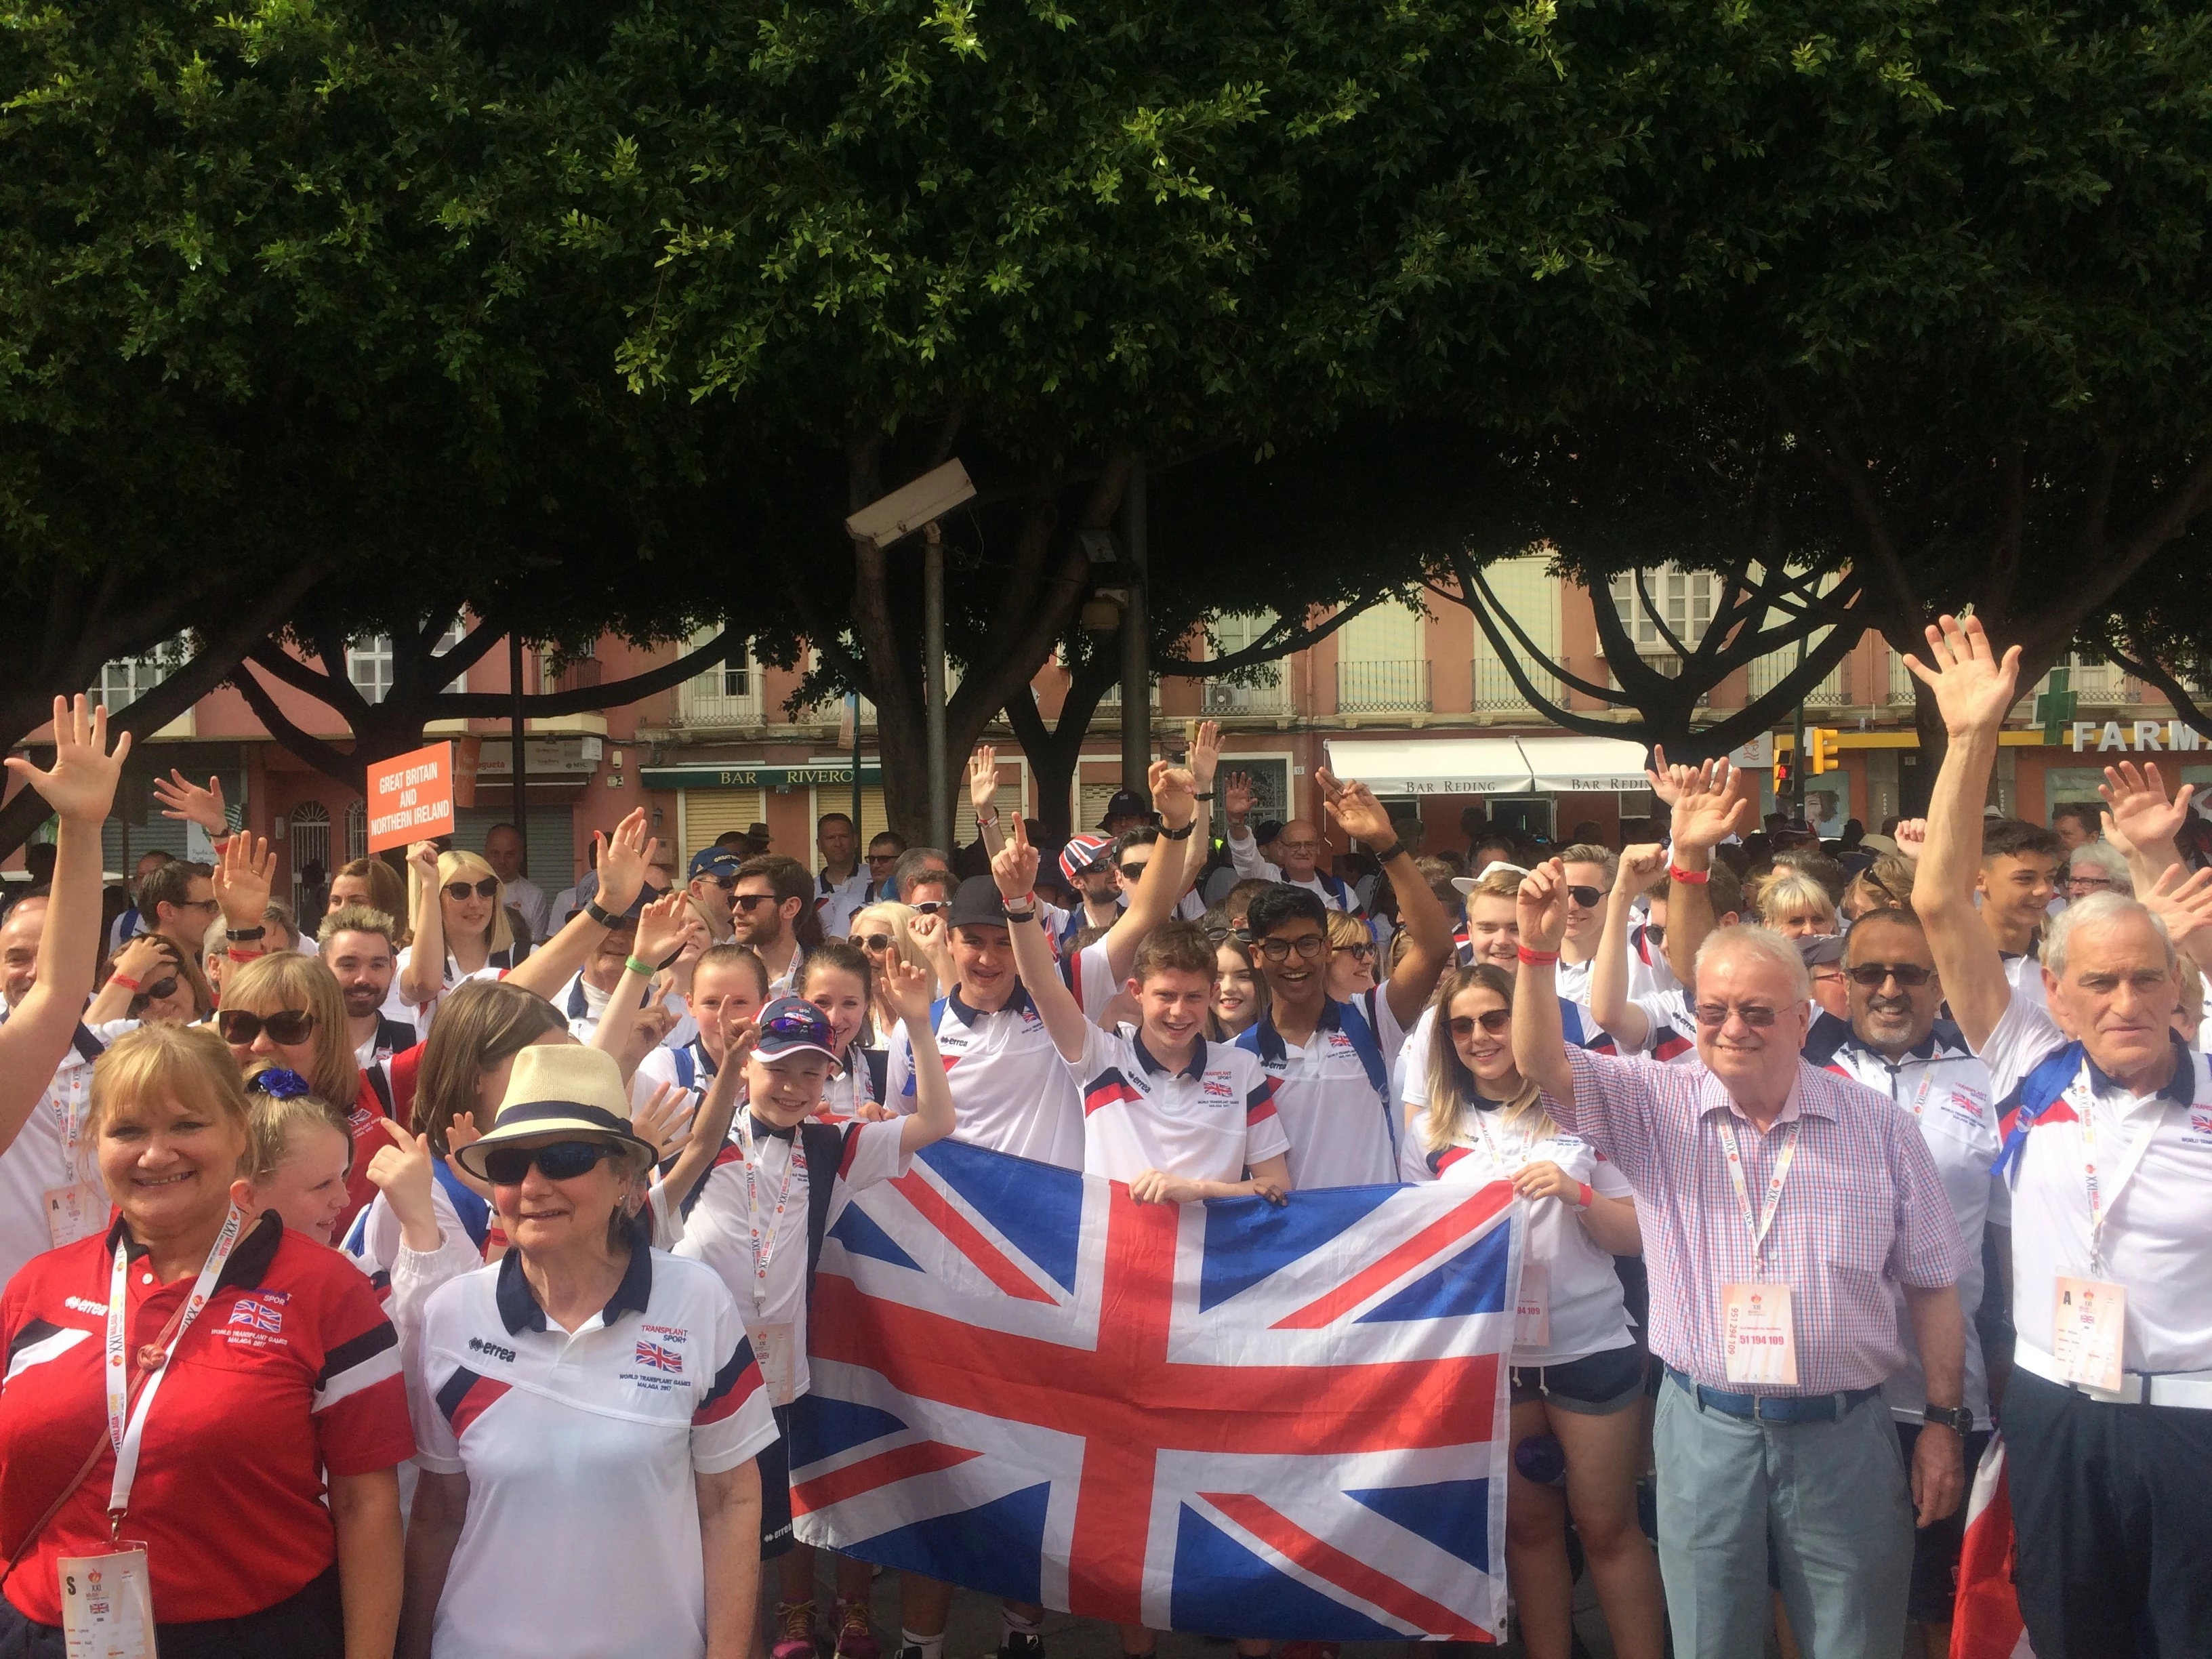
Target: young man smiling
{"points": [[1328, 1059]]}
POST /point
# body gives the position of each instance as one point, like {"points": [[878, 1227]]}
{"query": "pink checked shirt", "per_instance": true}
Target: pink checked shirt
{"points": [[1862, 1204]]}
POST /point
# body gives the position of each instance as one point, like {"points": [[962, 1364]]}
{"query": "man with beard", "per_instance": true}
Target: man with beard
{"points": [[356, 946], [772, 911]]}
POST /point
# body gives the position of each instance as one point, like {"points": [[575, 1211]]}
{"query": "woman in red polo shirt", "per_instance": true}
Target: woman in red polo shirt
{"points": [[285, 1009], [253, 1361]]}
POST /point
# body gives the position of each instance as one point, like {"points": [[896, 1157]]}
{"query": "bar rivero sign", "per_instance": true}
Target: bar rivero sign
{"points": [[745, 776]]}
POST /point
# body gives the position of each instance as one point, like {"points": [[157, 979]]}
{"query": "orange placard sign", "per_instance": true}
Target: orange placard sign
{"points": [[411, 798]]}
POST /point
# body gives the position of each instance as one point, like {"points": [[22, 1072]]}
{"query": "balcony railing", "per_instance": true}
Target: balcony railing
{"points": [[2095, 685], [1494, 687], [1769, 671], [718, 698], [1273, 698], [1391, 687]]}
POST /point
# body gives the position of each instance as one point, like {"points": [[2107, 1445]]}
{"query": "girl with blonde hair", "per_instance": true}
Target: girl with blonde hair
{"points": [[458, 908], [1577, 1375]]}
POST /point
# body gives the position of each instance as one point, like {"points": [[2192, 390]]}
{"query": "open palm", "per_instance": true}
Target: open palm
{"points": [[1974, 686]]}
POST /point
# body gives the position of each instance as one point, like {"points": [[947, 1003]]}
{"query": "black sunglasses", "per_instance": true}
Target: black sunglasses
{"points": [[1869, 975], [286, 1025], [559, 1160], [883, 857], [1358, 952], [1585, 897], [1494, 1022], [746, 900], [154, 992], [1132, 871], [458, 891]]}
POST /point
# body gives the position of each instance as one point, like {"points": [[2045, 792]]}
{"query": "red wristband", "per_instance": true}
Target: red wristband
{"points": [[1542, 958], [128, 984], [1583, 1202], [1694, 878]]}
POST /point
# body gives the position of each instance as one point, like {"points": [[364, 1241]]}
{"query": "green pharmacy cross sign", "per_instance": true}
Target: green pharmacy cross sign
{"points": [[2055, 707]]}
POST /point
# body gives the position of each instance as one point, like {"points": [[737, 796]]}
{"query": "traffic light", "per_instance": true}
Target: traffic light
{"points": [[1781, 776], [1820, 750]]}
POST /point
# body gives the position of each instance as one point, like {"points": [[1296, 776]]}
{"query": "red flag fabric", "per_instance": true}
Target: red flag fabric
{"points": [[1985, 1623]]}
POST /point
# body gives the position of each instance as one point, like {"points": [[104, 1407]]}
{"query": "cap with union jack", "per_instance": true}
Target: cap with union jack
{"points": [[1081, 853]]}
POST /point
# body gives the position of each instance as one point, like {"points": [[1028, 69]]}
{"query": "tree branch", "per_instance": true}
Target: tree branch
{"points": [[1271, 647], [490, 705], [330, 762]]}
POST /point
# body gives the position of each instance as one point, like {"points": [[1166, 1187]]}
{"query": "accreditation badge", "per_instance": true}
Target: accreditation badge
{"points": [[772, 1348], [1532, 1308], [107, 1605], [1759, 1338], [76, 1211], [2088, 1319]]}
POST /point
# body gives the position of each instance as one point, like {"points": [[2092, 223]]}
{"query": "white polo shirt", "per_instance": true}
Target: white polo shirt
{"points": [[836, 902], [1946, 1091], [1091, 977], [670, 1066], [2154, 1156], [1010, 1088], [1581, 1292], [717, 1231], [1340, 1121], [580, 1451], [49, 1153], [1212, 1120]]}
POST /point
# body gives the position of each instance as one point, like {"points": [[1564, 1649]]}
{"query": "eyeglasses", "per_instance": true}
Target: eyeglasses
{"points": [[155, 992], [1307, 946], [1358, 952], [2087, 884], [874, 941], [563, 1160], [287, 1025], [1714, 1015], [724, 883], [1299, 845], [208, 905], [458, 891], [746, 900], [1495, 1022], [932, 907], [1132, 871], [1870, 975], [1585, 897]]}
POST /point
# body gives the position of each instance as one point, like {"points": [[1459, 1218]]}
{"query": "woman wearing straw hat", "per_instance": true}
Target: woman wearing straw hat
{"points": [[588, 1476]]}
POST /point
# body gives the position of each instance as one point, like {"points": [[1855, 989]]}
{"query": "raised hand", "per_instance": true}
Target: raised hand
{"points": [[665, 1118], [81, 785], [624, 858], [905, 990], [1707, 811], [243, 871], [1666, 781], [1239, 797], [740, 1037], [423, 860], [1015, 867], [662, 927], [1974, 687], [1541, 906], [2140, 810], [181, 798], [461, 1131], [1174, 790], [1642, 867], [2182, 901], [1205, 758], [1911, 838], [403, 1173], [1354, 808], [983, 778]]}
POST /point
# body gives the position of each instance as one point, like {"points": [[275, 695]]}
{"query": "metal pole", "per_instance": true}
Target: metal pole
{"points": [[1136, 642], [516, 726], [856, 778], [933, 685]]}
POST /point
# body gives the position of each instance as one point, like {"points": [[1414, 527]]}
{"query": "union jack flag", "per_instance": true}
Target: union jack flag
{"points": [[257, 1315], [1227, 1416], [660, 1359]]}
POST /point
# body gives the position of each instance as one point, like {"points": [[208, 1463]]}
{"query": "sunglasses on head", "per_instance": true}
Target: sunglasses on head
{"points": [[560, 1160], [1307, 946], [797, 1028], [1495, 1022], [1585, 897], [286, 1025], [458, 891], [155, 992], [1869, 975]]}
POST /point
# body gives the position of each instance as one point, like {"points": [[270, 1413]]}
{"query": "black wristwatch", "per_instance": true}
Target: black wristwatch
{"points": [[600, 913], [1958, 1419], [242, 935], [1182, 834]]}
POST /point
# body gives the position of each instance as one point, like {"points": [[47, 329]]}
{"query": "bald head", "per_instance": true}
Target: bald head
{"points": [[19, 947]]}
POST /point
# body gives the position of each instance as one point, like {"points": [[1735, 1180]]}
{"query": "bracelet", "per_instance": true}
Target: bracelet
{"points": [[642, 969], [1540, 958], [1583, 1199], [125, 980], [235, 934], [1027, 915], [992, 821], [600, 913], [1689, 877], [1182, 834], [1208, 795], [1384, 855]]}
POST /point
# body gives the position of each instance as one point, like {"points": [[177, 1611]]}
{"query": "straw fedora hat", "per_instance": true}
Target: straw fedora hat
{"points": [[558, 1093]]}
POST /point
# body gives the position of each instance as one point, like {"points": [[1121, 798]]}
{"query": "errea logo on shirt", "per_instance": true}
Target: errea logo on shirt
{"points": [[491, 1350], [79, 1305]]}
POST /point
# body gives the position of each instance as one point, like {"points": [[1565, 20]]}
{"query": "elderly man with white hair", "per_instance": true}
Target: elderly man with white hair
{"points": [[1779, 1204], [2106, 1116]]}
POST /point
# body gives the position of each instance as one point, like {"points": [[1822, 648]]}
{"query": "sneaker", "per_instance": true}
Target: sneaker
{"points": [[855, 1640], [794, 1630], [1022, 1647]]}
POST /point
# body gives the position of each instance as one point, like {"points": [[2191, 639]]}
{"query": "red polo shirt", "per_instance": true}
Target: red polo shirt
{"points": [[290, 1369]]}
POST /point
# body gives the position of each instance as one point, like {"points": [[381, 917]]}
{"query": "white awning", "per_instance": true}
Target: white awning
{"points": [[1432, 766], [1585, 765]]}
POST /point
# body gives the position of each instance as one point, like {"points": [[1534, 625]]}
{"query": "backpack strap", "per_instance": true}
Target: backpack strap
{"points": [[382, 1085], [825, 1145], [1358, 1024], [878, 1062], [2039, 1090], [1261, 1038], [89, 1047]]}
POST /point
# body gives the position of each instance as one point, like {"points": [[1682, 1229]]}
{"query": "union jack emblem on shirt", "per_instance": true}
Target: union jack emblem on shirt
{"points": [[660, 1359], [257, 1315], [1283, 1422]]}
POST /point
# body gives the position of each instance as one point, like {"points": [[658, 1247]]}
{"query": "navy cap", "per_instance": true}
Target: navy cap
{"points": [[717, 861], [1124, 805], [790, 1025]]}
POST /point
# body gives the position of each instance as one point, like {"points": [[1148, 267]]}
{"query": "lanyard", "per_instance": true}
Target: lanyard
{"points": [[1927, 1082], [763, 1254], [1497, 1154], [2084, 1101], [153, 1358], [1782, 1160]]}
